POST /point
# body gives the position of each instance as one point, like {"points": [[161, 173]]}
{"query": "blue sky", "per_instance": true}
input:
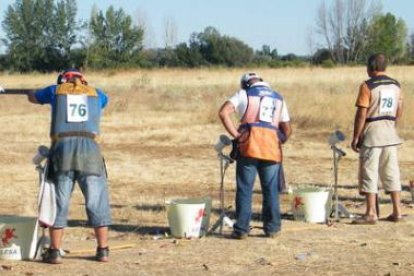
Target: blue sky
{"points": [[282, 24]]}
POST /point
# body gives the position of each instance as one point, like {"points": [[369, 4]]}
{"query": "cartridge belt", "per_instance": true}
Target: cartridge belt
{"points": [[89, 135]]}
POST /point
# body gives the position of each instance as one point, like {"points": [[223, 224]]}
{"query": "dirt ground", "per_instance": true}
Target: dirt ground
{"points": [[155, 153]]}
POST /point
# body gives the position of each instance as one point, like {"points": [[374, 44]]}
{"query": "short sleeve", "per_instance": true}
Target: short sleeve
{"points": [[103, 98], [46, 95], [235, 100], [239, 100], [284, 117], [363, 96]]}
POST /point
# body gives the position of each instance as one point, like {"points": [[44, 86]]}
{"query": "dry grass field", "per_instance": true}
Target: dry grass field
{"points": [[158, 134]]}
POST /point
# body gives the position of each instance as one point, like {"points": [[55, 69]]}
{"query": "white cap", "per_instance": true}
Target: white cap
{"points": [[249, 76]]}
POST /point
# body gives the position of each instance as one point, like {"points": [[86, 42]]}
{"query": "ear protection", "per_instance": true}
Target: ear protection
{"points": [[244, 85], [245, 79], [60, 78]]}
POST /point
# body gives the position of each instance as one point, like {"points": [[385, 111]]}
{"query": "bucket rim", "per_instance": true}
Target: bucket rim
{"points": [[311, 189], [188, 201]]}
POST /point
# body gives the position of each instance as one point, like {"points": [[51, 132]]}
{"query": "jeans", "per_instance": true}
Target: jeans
{"points": [[246, 171], [94, 189]]}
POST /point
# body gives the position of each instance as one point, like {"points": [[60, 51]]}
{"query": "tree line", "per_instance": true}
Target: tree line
{"points": [[45, 35], [354, 29]]}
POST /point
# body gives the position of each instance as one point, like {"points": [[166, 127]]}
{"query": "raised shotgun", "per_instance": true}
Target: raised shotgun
{"points": [[19, 91]]}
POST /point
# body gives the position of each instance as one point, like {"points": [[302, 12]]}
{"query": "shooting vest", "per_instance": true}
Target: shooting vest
{"points": [[76, 114], [260, 125], [384, 94], [77, 111]]}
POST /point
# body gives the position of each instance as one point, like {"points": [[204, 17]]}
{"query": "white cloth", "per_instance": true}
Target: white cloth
{"points": [[47, 200], [239, 100], [1, 89]]}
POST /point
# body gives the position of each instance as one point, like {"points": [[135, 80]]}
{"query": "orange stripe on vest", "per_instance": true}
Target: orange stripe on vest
{"points": [[261, 143]]}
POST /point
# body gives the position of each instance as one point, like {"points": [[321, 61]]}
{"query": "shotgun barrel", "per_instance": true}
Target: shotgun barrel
{"points": [[16, 91]]}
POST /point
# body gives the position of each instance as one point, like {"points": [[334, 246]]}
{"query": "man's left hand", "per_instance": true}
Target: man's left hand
{"points": [[355, 145]]}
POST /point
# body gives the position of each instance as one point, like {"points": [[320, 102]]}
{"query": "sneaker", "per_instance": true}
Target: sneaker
{"points": [[272, 235], [102, 254], [238, 235], [52, 256]]}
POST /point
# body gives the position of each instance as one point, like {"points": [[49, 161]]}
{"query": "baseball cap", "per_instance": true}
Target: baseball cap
{"points": [[246, 77], [72, 72], [68, 74]]}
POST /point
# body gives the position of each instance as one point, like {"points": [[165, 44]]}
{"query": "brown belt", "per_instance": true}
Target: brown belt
{"points": [[89, 135]]}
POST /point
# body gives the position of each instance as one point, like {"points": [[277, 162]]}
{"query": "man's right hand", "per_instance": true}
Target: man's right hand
{"points": [[224, 114]]}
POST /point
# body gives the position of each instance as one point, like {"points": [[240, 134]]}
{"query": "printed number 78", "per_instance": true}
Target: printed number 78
{"points": [[387, 102]]}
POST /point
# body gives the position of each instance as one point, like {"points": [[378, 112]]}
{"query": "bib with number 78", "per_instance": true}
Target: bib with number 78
{"points": [[77, 108], [387, 101]]}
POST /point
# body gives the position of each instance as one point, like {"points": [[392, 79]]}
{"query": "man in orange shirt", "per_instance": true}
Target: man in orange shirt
{"points": [[379, 106]]}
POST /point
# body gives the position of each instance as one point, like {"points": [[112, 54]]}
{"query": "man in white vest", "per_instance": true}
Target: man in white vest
{"points": [[379, 107]]}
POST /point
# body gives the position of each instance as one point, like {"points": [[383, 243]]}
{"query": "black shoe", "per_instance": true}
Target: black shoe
{"points": [[102, 254], [52, 256], [238, 235]]}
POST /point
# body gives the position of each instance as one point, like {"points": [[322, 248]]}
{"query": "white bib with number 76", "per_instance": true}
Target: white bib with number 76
{"points": [[77, 108]]}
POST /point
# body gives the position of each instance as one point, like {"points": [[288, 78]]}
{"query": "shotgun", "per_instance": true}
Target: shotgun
{"points": [[19, 91]]}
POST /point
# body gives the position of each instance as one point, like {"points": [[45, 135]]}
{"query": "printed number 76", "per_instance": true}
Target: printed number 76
{"points": [[80, 109]]}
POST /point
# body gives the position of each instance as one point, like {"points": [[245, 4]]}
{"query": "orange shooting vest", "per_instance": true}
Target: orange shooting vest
{"points": [[259, 126]]}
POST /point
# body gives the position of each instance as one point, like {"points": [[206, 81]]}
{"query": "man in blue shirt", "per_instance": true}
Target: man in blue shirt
{"points": [[76, 156]]}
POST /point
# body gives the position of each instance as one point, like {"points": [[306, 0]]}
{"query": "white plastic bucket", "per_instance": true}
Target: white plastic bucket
{"points": [[18, 237], [188, 218], [311, 204]]}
